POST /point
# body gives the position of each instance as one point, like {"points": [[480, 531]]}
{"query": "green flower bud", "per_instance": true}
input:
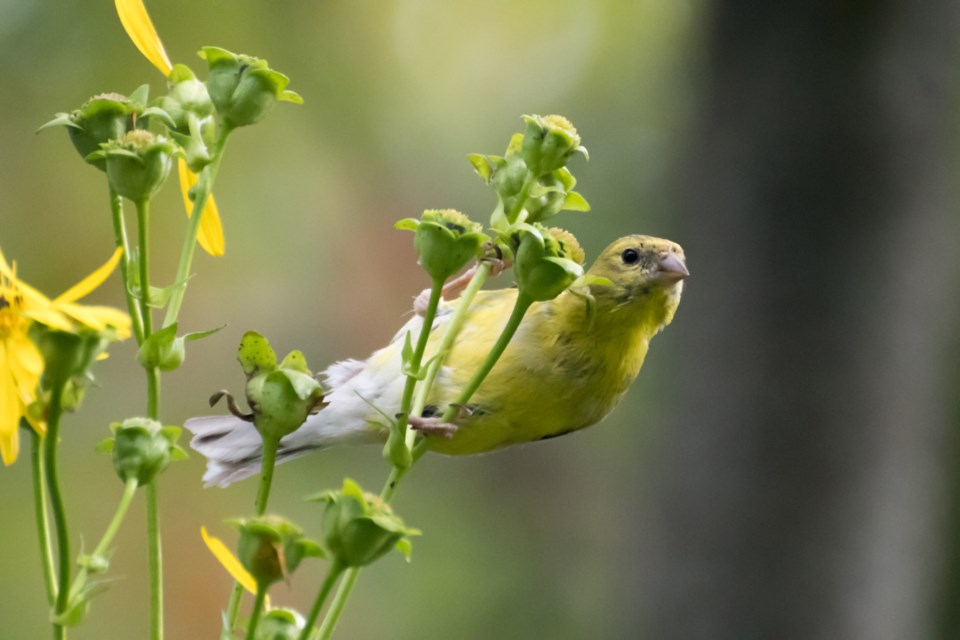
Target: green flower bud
{"points": [[548, 143], [186, 95], [280, 624], [138, 163], [445, 241], [282, 395], [508, 181], [66, 355], [359, 528], [142, 448], [271, 548], [547, 262], [102, 118], [243, 88]]}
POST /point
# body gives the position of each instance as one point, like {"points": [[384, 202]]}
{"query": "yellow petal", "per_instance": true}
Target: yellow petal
{"points": [[229, 561], [50, 317], [92, 281], [99, 318], [136, 22], [26, 364], [210, 235], [10, 408]]}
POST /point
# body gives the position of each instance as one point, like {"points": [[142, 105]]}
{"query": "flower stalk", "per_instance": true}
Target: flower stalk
{"points": [[42, 517], [50, 442]]}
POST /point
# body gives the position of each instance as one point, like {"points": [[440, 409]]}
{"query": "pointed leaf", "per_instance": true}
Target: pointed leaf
{"points": [[575, 202]]}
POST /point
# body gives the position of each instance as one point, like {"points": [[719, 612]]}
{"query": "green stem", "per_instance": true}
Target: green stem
{"points": [[42, 519], [156, 563], [267, 464], [233, 608], [406, 401], [339, 602], [50, 443], [257, 610], [332, 575], [203, 189], [522, 197], [120, 238], [143, 236], [129, 490], [516, 317]]}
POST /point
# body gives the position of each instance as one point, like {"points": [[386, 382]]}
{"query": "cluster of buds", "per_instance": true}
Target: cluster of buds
{"points": [[531, 179], [111, 130]]}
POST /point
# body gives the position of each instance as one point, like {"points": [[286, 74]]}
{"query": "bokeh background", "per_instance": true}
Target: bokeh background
{"points": [[786, 465]]}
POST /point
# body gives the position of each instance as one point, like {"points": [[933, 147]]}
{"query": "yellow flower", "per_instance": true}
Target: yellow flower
{"points": [[136, 22], [21, 364], [229, 561]]}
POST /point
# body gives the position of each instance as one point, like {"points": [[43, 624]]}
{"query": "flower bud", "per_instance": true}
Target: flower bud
{"points": [[359, 528], [142, 448], [186, 95], [445, 241], [243, 88], [282, 395], [271, 548], [138, 163], [66, 355], [547, 262], [548, 142], [102, 118], [280, 624]]}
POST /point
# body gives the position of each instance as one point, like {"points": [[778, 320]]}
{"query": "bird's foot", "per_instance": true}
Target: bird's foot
{"points": [[432, 427]]}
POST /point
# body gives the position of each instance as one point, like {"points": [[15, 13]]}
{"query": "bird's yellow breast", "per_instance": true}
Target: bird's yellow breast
{"points": [[560, 373]]}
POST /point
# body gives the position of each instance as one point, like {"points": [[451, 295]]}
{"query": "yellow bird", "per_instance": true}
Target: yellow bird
{"points": [[563, 370]]}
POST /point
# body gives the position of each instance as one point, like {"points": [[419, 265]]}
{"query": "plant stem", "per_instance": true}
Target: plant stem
{"points": [[156, 563], [257, 609], [396, 474], [522, 197], [42, 519], [336, 607], [129, 490], [520, 308], [436, 293], [267, 464], [204, 187], [50, 442], [120, 238], [332, 575], [143, 236]]}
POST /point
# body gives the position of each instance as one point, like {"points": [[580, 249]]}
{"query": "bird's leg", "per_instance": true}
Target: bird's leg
{"points": [[454, 287], [433, 427]]}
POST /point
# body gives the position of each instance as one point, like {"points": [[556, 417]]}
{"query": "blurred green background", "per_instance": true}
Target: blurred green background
{"points": [[786, 466], [529, 542]]}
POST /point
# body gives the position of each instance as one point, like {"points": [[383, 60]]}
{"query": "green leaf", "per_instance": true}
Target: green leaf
{"points": [[304, 385], [482, 165], [106, 445], [200, 335], [162, 350], [405, 547], [255, 353], [141, 94], [407, 224], [575, 202], [296, 362]]}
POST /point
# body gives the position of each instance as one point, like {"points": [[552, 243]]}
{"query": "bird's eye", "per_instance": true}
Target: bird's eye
{"points": [[630, 256]]}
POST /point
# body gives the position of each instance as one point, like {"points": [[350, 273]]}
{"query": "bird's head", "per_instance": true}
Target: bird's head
{"points": [[647, 277]]}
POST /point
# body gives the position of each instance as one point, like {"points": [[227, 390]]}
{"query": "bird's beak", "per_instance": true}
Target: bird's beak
{"points": [[670, 268]]}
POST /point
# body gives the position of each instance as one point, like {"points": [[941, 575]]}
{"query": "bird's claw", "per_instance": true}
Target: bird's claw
{"points": [[432, 427]]}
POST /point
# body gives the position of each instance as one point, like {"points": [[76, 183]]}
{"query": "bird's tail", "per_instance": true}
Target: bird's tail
{"points": [[233, 448]]}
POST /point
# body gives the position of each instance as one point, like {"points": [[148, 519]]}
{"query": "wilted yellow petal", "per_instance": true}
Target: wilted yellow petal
{"points": [[92, 281], [210, 235], [136, 22], [229, 561]]}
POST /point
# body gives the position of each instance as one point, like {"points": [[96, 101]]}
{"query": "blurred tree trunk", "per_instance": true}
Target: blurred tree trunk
{"points": [[805, 488]]}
